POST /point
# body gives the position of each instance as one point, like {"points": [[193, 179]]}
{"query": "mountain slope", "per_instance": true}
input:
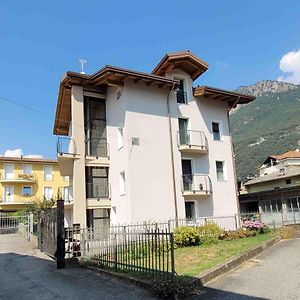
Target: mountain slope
{"points": [[269, 125]]}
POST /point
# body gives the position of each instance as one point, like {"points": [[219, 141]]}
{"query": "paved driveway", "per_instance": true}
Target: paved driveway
{"points": [[26, 273], [274, 274]]}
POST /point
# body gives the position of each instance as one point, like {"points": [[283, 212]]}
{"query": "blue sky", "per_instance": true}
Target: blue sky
{"points": [[243, 42]]}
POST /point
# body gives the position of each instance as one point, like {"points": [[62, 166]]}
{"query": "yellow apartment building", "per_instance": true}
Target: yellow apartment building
{"points": [[27, 180]]}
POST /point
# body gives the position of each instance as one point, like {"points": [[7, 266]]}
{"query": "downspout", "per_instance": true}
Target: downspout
{"points": [[233, 161], [172, 156]]}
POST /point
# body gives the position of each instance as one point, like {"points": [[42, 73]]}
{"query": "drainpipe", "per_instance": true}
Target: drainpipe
{"points": [[233, 161], [172, 156]]}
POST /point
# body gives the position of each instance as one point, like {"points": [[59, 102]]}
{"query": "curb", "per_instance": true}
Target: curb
{"points": [[125, 277], [206, 276]]}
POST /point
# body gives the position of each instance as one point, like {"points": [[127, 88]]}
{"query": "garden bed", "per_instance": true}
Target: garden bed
{"points": [[190, 261]]}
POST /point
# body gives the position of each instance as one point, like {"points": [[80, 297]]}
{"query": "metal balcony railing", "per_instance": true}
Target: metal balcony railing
{"points": [[65, 145], [18, 176], [196, 184], [96, 147], [101, 189], [181, 97], [192, 138], [65, 193]]}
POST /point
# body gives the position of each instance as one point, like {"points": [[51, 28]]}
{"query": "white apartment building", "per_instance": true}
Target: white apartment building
{"points": [[146, 147]]}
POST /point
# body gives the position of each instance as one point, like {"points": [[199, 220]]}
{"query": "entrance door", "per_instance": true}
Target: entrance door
{"points": [[9, 171], [8, 194], [187, 177], [190, 210], [184, 137]]}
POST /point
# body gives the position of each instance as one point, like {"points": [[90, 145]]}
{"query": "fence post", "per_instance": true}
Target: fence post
{"points": [[172, 255], [116, 253], [60, 251], [30, 226], [40, 231], [236, 222]]}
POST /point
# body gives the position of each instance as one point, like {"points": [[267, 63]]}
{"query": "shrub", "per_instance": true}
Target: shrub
{"points": [[286, 233], [209, 233], [253, 225], [237, 234], [171, 289], [265, 229], [186, 236]]}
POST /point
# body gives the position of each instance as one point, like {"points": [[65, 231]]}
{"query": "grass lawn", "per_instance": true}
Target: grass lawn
{"points": [[190, 261]]}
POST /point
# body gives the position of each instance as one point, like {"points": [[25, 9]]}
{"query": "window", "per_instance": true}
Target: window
{"points": [[97, 182], [27, 169], [122, 183], [95, 127], [181, 94], [288, 181], [220, 170], [216, 129], [27, 191], [98, 219], [48, 173], [48, 193], [120, 138], [190, 210], [184, 134]]}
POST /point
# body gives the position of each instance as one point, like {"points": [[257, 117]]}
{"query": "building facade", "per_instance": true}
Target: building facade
{"points": [[25, 181], [144, 147], [277, 186]]}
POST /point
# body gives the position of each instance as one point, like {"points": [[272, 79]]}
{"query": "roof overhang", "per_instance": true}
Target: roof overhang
{"points": [[232, 98], [98, 82], [185, 61]]}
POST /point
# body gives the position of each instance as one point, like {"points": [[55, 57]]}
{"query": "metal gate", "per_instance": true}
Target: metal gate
{"points": [[51, 233], [13, 223]]}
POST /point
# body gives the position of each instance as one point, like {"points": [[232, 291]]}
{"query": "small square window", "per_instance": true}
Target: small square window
{"points": [[216, 131], [220, 170], [27, 191], [288, 181]]}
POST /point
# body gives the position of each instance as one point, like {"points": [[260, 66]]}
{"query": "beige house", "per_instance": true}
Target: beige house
{"points": [[146, 146], [277, 186]]}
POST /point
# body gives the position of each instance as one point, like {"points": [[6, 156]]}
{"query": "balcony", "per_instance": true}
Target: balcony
{"points": [[192, 141], [97, 151], [66, 193], [196, 185], [18, 178], [66, 153], [98, 194]]}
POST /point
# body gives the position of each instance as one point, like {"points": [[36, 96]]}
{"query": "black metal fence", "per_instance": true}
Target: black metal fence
{"points": [[149, 252]]}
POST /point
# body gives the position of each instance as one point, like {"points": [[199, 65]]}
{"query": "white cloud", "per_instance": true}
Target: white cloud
{"points": [[19, 153], [290, 64], [13, 153], [222, 64]]}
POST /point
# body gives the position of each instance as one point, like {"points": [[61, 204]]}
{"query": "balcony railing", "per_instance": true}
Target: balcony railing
{"points": [[99, 189], [65, 145], [181, 97], [192, 139], [96, 147], [196, 184], [18, 177], [66, 193]]}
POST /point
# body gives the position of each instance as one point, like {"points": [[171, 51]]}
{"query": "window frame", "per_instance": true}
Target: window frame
{"points": [[223, 169], [120, 139], [220, 124], [26, 195], [184, 91], [45, 178], [23, 168], [44, 195]]}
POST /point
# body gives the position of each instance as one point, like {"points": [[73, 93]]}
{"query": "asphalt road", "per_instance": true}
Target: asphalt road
{"points": [[274, 274], [25, 273]]}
